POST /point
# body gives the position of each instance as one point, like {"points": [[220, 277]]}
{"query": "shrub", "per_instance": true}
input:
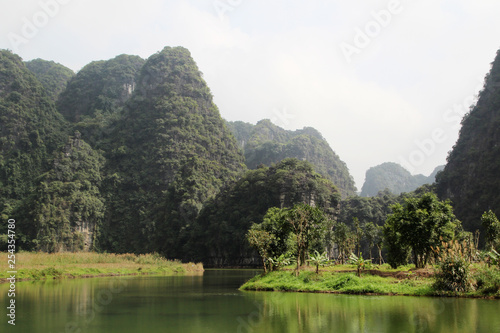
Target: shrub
{"points": [[453, 275], [487, 280]]}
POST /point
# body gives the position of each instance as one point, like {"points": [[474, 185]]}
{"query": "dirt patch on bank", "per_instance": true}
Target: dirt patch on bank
{"points": [[422, 272]]}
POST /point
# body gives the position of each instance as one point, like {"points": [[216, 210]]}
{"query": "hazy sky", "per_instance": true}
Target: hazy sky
{"points": [[381, 80]]}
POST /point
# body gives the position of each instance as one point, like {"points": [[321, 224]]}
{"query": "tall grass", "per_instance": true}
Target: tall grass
{"points": [[40, 265]]}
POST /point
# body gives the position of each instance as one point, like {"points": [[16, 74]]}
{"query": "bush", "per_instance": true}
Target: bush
{"points": [[487, 280], [453, 275]]}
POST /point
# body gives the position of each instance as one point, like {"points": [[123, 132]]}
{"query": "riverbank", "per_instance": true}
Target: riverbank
{"points": [[42, 266], [339, 282]]}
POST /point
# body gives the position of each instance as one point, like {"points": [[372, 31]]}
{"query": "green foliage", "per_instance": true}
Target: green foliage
{"points": [[52, 76], [343, 238], [266, 143], [307, 224], [318, 259], [301, 224], [418, 226], [487, 280], [372, 235], [282, 260], [491, 225], [453, 275], [359, 262], [368, 209], [494, 257], [261, 240], [67, 207], [31, 129]]}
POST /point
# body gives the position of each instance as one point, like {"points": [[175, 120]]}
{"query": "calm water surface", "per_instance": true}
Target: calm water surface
{"points": [[212, 303]]}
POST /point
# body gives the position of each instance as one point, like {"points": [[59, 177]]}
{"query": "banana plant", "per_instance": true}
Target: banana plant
{"points": [[359, 262], [318, 259]]}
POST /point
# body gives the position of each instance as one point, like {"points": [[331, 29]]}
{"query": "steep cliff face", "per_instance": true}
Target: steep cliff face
{"points": [[471, 178], [266, 143], [395, 178], [67, 206], [169, 152]]}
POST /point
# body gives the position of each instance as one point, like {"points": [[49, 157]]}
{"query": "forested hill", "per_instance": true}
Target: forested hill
{"points": [[218, 236], [141, 149], [52, 76], [169, 152], [30, 130], [471, 178], [96, 95], [395, 178], [100, 87], [266, 143]]}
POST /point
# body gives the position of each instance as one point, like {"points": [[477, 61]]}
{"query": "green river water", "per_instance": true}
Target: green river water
{"points": [[212, 303]]}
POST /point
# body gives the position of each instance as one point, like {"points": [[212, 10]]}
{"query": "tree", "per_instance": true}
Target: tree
{"points": [[379, 242], [261, 240], [491, 225], [275, 224], [342, 236], [416, 226], [358, 234], [306, 223], [302, 224], [370, 232]]}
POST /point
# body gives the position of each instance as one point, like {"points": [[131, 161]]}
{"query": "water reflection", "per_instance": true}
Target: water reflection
{"points": [[301, 312]]}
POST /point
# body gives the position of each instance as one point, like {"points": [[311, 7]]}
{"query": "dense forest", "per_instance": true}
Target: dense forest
{"points": [[132, 155]]}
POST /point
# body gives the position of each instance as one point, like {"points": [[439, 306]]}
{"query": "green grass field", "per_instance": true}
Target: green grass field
{"points": [[338, 282], [39, 265]]}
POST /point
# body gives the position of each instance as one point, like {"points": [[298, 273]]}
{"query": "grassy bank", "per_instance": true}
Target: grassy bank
{"points": [[39, 266], [336, 282], [342, 282]]}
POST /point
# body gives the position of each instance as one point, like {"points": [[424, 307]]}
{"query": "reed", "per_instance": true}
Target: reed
{"points": [[40, 265]]}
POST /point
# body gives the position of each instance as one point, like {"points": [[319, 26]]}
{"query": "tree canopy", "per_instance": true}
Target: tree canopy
{"points": [[416, 226]]}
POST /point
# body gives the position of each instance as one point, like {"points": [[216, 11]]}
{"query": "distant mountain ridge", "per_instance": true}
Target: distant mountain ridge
{"points": [[267, 144], [395, 178]]}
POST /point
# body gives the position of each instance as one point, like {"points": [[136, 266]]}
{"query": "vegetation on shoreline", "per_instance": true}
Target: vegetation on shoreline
{"points": [[338, 282], [485, 282], [42, 266]]}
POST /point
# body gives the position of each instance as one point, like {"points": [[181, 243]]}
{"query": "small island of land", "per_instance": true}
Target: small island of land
{"points": [[381, 280]]}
